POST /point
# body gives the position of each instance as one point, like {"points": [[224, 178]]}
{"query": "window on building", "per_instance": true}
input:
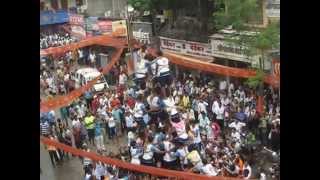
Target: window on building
{"points": [[79, 2]]}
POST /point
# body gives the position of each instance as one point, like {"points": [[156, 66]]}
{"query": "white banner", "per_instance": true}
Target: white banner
{"points": [[197, 49]]}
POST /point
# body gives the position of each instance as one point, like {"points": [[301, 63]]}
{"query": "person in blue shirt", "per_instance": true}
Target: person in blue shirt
{"points": [[88, 97], [99, 136], [117, 115]]}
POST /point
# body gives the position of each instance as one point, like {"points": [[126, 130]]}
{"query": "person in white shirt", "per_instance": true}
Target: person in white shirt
{"points": [[215, 104], [202, 105], [123, 78], [92, 58], [100, 170], [136, 152], [139, 111], [222, 85], [195, 129], [80, 52], [237, 125], [181, 153], [208, 169], [219, 112], [235, 135], [169, 158], [247, 172], [162, 74], [112, 127]]}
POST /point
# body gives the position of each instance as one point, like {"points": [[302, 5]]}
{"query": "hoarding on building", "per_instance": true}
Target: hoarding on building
{"points": [[77, 25], [76, 19], [222, 48], [196, 49], [104, 26], [78, 31], [49, 17], [119, 28]]}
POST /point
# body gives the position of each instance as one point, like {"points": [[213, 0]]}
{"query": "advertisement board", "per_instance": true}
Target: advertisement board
{"points": [[104, 26], [91, 23], [76, 19], [78, 31], [119, 28], [49, 17], [196, 49]]}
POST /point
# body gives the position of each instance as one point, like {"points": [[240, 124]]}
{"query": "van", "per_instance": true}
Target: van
{"points": [[85, 75]]}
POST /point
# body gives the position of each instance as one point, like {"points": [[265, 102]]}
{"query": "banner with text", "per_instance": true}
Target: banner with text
{"points": [[196, 49], [77, 24]]}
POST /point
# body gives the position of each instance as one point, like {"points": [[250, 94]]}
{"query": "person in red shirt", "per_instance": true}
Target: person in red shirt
{"points": [[120, 90], [131, 102], [115, 102], [95, 104]]}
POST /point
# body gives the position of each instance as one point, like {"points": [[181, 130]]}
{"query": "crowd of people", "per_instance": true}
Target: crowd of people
{"points": [[57, 73], [198, 124], [56, 39]]}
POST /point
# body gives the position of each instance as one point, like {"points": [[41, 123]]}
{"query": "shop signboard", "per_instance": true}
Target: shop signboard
{"points": [[222, 48], [196, 49]]}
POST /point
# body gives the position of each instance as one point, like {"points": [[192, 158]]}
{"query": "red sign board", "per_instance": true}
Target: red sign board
{"points": [[75, 19]]}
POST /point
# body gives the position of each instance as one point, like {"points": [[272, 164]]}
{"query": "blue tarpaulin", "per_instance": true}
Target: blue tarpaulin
{"points": [[50, 17]]}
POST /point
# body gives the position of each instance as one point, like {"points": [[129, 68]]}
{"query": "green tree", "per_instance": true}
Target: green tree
{"points": [[235, 13], [267, 39], [238, 14]]}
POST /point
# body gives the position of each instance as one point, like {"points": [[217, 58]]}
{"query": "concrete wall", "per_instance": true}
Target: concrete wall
{"points": [[71, 3], [99, 7]]}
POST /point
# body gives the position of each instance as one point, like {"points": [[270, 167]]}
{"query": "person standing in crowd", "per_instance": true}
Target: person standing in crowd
{"points": [[219, 111], [44, 128], [112, 128], [81, 57], [116, 114], [162, 73], [92, 59], [99, 136], [195, 129], [53, 153], [89, 97], [139, 111], [123, 78], [89, 124]]}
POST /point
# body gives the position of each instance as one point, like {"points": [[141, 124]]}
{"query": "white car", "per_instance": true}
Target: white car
{"points": [[85, 75]]}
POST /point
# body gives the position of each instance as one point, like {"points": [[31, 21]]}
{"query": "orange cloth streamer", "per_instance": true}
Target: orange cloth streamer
{"points": [[103, 40], [139, 168]]}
